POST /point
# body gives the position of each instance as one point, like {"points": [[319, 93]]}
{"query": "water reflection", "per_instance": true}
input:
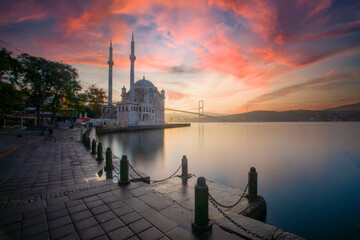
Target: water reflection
{"points": [[306, 170]]}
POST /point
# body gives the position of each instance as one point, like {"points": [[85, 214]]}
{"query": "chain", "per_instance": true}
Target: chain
{"points": [[156, 181], [137, 173], [229, 206], [116, 171], [232, 221]]}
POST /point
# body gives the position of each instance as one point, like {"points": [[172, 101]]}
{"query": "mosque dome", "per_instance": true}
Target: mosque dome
{"points": [[143, 82]]}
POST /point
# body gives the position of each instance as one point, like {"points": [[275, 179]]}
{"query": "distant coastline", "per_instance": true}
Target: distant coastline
{"points": [[346, 113]]}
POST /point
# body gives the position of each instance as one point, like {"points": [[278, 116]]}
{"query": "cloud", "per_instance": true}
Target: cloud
{"points": [[174, 96], [316, 82]]}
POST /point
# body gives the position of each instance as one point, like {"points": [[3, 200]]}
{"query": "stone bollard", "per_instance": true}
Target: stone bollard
{"points": [[84, 139], [124, 171], [184, 167], [108, 163], [108, 159], [93, 147], [88, 143], [252, 181], [201, 223], [99, 152], [81, 135]]}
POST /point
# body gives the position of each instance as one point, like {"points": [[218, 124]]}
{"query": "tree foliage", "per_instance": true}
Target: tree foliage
{"points": [[10, 94], [96, 97]]}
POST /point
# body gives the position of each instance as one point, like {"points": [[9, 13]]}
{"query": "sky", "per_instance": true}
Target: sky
{"points": [[235, 55]]}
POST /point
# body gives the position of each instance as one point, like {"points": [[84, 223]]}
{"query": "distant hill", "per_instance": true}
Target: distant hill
{"points": [[349, 107], [287, 116]]}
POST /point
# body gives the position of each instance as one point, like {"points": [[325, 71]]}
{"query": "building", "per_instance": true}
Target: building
{"points": [[143, 104]]}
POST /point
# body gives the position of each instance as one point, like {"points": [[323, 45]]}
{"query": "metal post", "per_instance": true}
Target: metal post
{"points": [[99, 152], [88, 143], [201, 223], [252, 181], [124, 170], [93, 147], [184, 167]]}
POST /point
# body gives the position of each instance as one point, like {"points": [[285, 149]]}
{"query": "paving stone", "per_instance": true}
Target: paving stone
{"points": [[106, 216], [130, 217], [134, 238], [95, 203], [136, 204], [158, 220], [90, 199], [55, 208], [55, 201], [77, 208], [106, 195], [62, 231], [57, 214], [102, 237], [74, 203], [33, 230], [34, 213], [99, 209], [10, 219], [59, 222], [91, 232], [41, 236], [12, 235], [112, 225], [151, 234], [139, 226], [156, 201], [110, 199], [180, 233], [80, 215], [14, 227], [73, 236], [115, 205], [121, 233], [34, 220], [85, 223]]}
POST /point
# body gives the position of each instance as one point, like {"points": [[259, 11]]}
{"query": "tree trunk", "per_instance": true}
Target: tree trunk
{"points": [[38, 116]]}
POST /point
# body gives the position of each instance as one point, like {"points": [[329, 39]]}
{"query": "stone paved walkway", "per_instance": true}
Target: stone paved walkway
{"points": [[51, 191]]}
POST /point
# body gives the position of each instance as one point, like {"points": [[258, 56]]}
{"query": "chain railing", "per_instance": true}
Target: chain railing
{"points": [[232, 220], [137, 173], [229, 206], [155, 181], [161, 180]]}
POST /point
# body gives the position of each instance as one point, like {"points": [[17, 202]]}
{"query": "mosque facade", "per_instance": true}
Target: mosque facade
{"points": [[143, 104]]}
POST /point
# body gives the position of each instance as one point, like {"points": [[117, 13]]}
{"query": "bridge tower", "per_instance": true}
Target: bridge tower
{"points": [[201, 108]]}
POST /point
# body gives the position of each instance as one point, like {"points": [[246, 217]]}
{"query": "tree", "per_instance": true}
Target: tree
{"points": [[10, 94], [96, 97], [36, 80], [51, 81], [64, 87]]}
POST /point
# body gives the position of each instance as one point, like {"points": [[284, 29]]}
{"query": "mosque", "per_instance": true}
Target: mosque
{"points": [[143, 104]]}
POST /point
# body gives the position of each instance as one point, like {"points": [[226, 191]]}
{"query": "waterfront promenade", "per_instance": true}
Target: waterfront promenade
{"points": [[51, 191]]}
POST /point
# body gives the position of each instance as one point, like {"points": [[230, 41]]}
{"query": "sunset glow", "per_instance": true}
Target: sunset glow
{"points": [[234, 55]]}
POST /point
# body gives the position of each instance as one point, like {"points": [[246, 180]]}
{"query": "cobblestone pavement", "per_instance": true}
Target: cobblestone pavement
{"points": [[50, 191]]}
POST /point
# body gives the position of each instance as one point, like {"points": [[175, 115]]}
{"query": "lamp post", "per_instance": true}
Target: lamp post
{"points": [[42, 104], [42, 68]]}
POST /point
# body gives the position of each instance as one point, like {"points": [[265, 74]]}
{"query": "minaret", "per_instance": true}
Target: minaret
{"points": [[111, 64], [132, 58]]}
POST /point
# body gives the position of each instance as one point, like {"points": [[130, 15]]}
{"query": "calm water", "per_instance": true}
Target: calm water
{"points": [[309, 173]]}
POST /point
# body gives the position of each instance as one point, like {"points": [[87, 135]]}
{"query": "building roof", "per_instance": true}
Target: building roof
{"points": [[144, 82]]}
